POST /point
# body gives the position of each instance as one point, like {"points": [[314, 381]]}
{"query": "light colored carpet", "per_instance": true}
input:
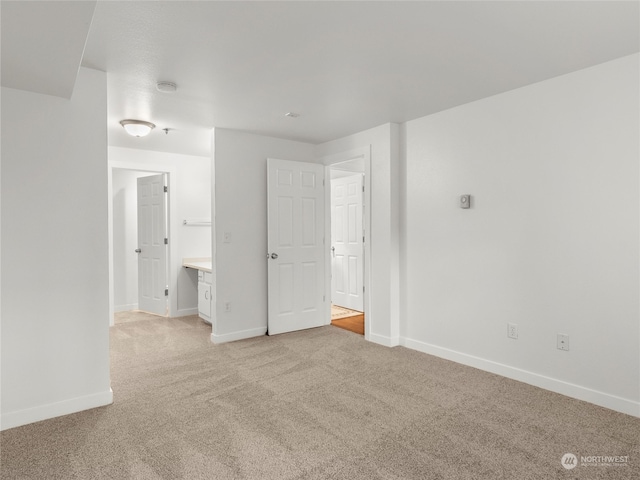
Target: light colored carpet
{"points": [[134, 316], [316, 404]]}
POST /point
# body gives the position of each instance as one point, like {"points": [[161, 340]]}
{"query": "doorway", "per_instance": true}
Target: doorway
{"points": [[356, 317], [347, 245], [138, 284], [282, 272]]}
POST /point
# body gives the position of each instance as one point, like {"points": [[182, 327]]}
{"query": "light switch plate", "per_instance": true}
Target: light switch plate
{"points": [[465, 201]]}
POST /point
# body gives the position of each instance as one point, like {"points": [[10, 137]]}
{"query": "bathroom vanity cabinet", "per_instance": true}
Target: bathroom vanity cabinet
{"points": [[205, 295], [206, 288]]}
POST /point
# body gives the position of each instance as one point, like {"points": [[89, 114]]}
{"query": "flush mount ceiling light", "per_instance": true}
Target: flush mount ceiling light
{"points": [[292, 114], [137, 128]]}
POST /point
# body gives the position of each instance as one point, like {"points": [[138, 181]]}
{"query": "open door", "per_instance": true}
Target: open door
{"points": [[296, 250], [152, 245], [347, 242]]}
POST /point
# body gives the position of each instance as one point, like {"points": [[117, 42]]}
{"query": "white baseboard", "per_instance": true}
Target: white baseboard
{"points": [[241, 335], [602, 399], [382, 340], [125, 308], [185, 312], [52, 410]]}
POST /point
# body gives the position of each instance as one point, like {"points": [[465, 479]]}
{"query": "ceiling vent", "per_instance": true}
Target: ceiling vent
{"points": [[166, 87]]}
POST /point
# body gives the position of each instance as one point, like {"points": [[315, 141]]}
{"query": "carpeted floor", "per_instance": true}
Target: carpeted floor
{"points": [[134, 316], [316, 404]]}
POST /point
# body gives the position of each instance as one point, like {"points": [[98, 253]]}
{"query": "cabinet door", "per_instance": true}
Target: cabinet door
{"points": [[204, 299]]}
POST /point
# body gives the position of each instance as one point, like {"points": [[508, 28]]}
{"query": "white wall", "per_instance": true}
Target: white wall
{"points": [[55, 339], [550, 243], [240, 205], [385, 181], [189, 198]]}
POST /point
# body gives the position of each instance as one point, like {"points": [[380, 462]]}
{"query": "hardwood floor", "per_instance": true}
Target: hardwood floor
{"points": [[353, 324], [347, 319]]}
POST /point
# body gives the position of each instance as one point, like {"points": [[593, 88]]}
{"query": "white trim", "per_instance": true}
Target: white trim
{"points": [[125, 308], [185, 312], [52, 410], [602, 399], [241, 335], [363, 153], [382, 340]]}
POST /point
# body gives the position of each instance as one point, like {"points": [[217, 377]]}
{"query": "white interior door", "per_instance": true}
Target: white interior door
{"points": [[152, 250], [347, 242], [295, 246]]}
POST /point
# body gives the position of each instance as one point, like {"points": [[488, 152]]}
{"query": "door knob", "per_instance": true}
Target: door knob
{"points": [[274, 255], [138, 250]]}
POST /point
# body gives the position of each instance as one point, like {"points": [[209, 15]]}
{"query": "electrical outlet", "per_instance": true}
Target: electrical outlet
{"points": [[226, 237], [227, 306], [563, 342], [512, 330]]}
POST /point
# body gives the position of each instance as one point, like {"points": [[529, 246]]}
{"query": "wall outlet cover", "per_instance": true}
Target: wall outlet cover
{"points": [[563, 342]]}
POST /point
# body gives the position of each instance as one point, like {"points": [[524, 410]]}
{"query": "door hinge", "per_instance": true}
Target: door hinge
{"points": [[166, 292], [166, 189], [362, 188], [166, 241]]}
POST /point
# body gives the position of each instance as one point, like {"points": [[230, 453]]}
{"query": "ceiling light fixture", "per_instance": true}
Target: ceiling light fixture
{"points": [[292, 114], [137, 128]]}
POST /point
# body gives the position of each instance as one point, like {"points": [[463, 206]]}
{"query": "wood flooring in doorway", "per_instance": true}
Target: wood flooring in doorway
{"points": [[351, 320]]}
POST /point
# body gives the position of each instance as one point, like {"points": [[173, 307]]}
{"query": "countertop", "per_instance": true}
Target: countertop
{"points": [[200, 263]]}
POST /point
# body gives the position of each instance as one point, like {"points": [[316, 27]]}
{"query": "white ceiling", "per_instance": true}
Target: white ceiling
{"points": [[343, 66], [37, 57]]}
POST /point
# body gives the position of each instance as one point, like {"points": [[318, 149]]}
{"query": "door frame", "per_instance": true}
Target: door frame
{"points": [[364, 154], [172, 252]]}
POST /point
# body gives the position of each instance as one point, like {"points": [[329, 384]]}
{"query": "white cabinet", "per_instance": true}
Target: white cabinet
{"points": [[205, 295]]}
